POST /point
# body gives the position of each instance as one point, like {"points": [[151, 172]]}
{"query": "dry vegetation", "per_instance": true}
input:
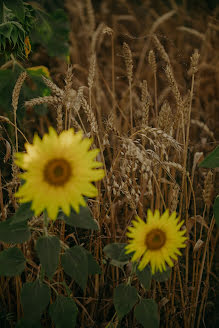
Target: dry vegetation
{"points": [[143, 83]]}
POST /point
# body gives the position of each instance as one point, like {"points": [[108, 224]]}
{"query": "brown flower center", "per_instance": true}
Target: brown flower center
{"points": [[155, 239], [57, 172]]}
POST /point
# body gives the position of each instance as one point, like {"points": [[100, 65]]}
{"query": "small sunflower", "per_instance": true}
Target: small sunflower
{"points": [[157, 241], [59, 172]]}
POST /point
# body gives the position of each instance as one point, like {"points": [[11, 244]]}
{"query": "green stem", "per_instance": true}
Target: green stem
{"points": [[133, 271]]}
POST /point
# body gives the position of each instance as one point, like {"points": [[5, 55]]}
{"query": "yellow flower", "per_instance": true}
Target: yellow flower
{"points": [[156, 242], [59, 171]]}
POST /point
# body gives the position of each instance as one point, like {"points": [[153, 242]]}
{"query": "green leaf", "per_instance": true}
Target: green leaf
{"points": [[63, 312], [162, 276], [38, 89], [14, 36], [14, 233], [145, 277], [93, 266], [22, 214], [146, 313], [212, 160], [83, 219], [124, 299], [37, 72], [216, 209], [35, 297], [17, 7], [52, 32], [75, 264], [7, 81], [6, 29], [12, 262], [60, 30], [48, 248], [116, 252], [1, 11], [26, 324], [18, 26]]}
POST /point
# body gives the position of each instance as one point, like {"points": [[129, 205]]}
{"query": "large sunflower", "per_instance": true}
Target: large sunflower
{"points": [[59, 171], [156, 242]]}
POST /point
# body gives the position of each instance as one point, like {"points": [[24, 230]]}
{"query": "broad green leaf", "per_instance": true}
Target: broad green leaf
{"points": [[1, 11], [14, 36], [216, 209], [7, 82], [145, 277], [212, 160], [22, 214], [93, 266], [14, 233], [18, 26], [38, 88], [39, 71], [26, 324], [48, 248], [12, 262], [17, 7], [60, 29], [63, 312], [162, 276], [116, 252], [146, 313], [52, 32], [6, 29], [124, 299], [35, 297], [75, 264], [83, 219]]}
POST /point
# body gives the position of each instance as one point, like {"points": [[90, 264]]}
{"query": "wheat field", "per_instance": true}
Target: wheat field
{"points": [[143, 82]]}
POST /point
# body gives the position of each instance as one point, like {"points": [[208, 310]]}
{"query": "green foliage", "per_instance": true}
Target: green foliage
{"points": [[124, 298], [7, 82], [93, 266], [15, 229], [145, 277], [63, 312], [162, 276], [16, 21], [83, 219], [79, 263], [12, 262], [19, 20], [52, 30], [26, 324], [17, 8], [23, 213], [146, 313], [48, 248], [212, 160], [116, 252], [36, 88], [32, 87], [35, 297], [14, 233]]}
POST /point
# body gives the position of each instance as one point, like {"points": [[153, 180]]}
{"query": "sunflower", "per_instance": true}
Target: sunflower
{"points": [[59, 172], [156, 241]]}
